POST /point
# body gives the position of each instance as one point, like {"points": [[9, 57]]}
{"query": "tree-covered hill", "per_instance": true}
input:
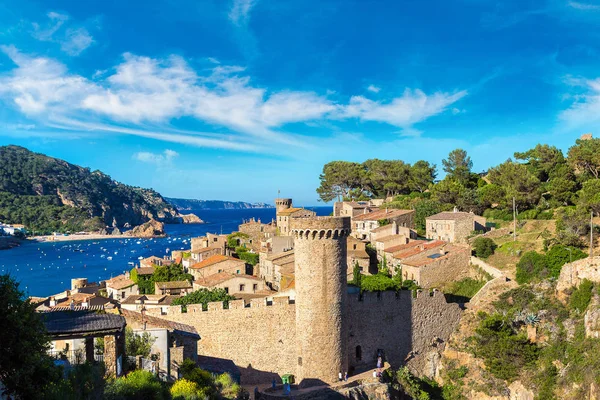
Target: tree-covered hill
{"points": [[544, 183], [48, 194]]}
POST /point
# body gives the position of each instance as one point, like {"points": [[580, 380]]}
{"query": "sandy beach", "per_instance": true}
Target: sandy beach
{"points": [[74, 237]]}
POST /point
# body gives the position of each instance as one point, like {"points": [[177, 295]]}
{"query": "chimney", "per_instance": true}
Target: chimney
{"points": [[394, 228], [455, 209], [72, 305], [52, 301]]}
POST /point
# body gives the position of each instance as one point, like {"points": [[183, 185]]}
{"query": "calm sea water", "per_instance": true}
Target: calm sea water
{"points": [[47, 268]]}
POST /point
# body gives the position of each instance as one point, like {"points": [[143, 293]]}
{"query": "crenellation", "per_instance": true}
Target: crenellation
{"points": [[194, 308], [237, 304], [215, 306], [258, 303], [281, 301]]}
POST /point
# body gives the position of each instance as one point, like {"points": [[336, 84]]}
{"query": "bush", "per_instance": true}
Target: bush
{"points": [[559, 255], [484, 247], [532, 266], [137, 385], [250, 258], [228, 387], [378, 283], [204, 296], [501, 215], [504, 352], [138, 344], [187, 390], [581, 296]]}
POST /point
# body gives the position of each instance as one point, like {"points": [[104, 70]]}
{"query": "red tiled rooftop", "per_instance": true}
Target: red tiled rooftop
{"points": [[212, 260]]}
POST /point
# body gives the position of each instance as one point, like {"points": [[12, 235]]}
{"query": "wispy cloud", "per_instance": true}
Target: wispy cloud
{"points": [[143, 95], [72, 41], [239, 13], [158, 159], [373, 88], [583, 6], [584, 111]]}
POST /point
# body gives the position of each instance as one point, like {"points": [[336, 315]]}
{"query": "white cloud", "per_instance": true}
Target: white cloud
{"points": [[583, 6], [239, 13], [72, 41], [412, 107], [159, 159], [142, 95], [373, 88], [585, 109]]}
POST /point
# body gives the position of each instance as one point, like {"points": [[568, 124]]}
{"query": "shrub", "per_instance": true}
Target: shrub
{"points": [[204, 296], [504, 352], [227, 386], [137, 385], [559, 255], [378, 283], [484, 247], [532, 266], [580, 298], [186, 390], [250, 258], [138, 344]]}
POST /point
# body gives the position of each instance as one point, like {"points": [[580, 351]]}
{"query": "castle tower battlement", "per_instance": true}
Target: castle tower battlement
{"points": [[282, 204], [320, 256]]}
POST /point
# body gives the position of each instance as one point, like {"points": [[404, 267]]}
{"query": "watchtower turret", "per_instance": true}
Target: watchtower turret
{"points": [[282, 204], [320, 254]]}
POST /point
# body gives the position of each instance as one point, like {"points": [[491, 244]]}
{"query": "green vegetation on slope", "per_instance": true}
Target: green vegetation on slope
{"points": [[47, 194]]}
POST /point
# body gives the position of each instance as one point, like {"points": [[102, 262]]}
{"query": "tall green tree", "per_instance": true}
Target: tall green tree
{"points": [[584, 156], [518, 182], [25, 367], [589, 195], [458, 166], [339, 178], [422, 174], [543, 161]]}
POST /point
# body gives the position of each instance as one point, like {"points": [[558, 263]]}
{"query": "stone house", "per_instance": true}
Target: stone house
{"points": [[269, 264], [394, 255], [453, 226], [448, 263], [352, 208], [147, 301], [152, 261], [200, 255], [210, 240], [174, 341], [357, 253], [216, 264], [120, 287], [363, 225], [234, 284], [173, 288], [256, 231]]}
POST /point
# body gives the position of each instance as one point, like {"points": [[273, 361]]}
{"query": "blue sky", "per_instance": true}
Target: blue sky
{"points": [[237, 99]]}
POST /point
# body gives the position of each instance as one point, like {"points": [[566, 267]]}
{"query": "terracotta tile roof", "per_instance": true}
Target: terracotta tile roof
{"points": [[119, 282], [212, 260], [381, 228], [145, 270], [451, 216], [382, 214], [422, 261], [155, 299], [278, 256], [222, 277], [174, 285], [205, 250], [413, 251], [400, 247], [157, 322]]}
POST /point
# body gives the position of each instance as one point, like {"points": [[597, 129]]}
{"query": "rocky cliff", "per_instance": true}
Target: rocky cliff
{"points": [[149, 229], [46, 194], [193, 204]]}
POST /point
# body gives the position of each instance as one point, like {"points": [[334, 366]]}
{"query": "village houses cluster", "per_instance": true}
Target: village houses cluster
{"points": [[377, 236]]}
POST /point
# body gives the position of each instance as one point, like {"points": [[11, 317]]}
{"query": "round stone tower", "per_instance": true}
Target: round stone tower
{"points": [[320, 253], [282, 204]]}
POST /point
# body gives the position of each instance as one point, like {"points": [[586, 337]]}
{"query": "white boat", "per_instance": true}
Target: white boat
{"points": [[131, 263], [140, 258], [109, 258]]}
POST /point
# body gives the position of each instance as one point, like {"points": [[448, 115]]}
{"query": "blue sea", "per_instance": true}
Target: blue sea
{"points": [[47, 268]]}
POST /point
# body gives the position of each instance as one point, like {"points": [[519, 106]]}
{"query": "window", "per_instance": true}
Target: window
{"points": [[237, 272], [227, 290], [242, 288], [358, 353], [220, 271], [122, 295], [255, 287], [354, 246]]}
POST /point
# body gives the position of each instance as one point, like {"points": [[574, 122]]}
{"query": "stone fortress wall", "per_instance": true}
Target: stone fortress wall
{"points": [[260, 336], [317, 335]]}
